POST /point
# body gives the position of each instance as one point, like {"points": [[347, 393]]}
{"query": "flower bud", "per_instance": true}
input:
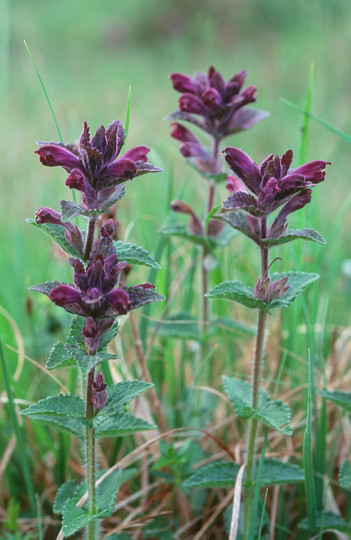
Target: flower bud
{"points": [[99, 397]]}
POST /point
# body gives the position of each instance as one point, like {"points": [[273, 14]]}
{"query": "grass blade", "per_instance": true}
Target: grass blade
{"points": [[18, 432], [40, 525], [308, 458], [44, 90], [304, 131], [262, 516], [126, 124], [320, 121]]}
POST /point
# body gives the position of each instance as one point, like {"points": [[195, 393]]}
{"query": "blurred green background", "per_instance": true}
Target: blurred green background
{"points": [[88, 53]]}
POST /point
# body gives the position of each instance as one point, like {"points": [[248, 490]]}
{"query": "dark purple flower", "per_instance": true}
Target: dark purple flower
{"points": [[95, 166], [72, 232], [220, 104], [93, 293], [271, 185], [99, 397]]}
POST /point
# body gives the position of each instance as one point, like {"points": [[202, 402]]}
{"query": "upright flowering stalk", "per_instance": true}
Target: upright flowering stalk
{"points": [[219, 109], [97, 170], [255, 193]]}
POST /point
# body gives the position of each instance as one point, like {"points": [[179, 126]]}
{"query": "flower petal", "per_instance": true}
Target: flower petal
{"points": [[244, 167], [183, 83], [138, 153], [64, 294], [57, 155]]}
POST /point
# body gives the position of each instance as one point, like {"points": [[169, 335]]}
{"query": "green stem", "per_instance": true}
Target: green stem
{"points": [[91, 457], [256, 384]]}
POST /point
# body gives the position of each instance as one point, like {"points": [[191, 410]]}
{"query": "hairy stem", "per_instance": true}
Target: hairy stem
{"points": [[256, 386], [90, 238], [91, 457]]}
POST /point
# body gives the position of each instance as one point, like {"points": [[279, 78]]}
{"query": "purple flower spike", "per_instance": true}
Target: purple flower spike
{"points": [[220, 104], [99, 397], [94, 164], [272, 184]]}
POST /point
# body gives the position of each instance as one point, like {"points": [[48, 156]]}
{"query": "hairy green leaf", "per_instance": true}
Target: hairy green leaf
{"points": [[305, 234], [118, 395], [57, 233], [134, 254], [75, 518], [59, 357], [62, 423], [70, 209], [238, 221], [64, 492], [345, 474], [326, 521], [106, 492], [60, 405], [343, 399], [236, 291], [273, 413], [223, 474], [122, 424], [297, 281]]}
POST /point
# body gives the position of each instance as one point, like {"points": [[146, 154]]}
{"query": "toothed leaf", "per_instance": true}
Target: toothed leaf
{"points": [[223, 474], [57, 233], [326, 521], [305, 234], [134, 254], [273, 413], [64, 492], [60, 405], [238, 292], [59, 357], [122, 424], [345, 475], [118, 395], [238, 221], [343, 399], [140, 297]]}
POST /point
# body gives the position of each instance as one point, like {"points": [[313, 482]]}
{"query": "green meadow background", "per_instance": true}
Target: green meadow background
{"points": [[88, 54]]}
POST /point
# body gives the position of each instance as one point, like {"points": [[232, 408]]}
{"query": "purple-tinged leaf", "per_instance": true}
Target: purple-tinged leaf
{"points": [[140, 296], [70, 210], [244, 119], [46, 287]]}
